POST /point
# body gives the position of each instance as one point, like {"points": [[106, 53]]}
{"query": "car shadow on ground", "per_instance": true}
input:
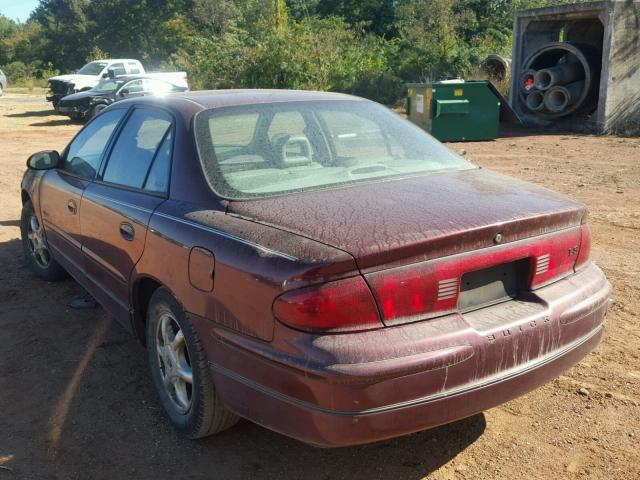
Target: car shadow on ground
{"points": [[9, 223], [35, 113], [55, 123], [77, 399]]}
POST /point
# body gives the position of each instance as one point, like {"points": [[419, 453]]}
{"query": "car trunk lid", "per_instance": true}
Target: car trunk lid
{"points": [[397, 222]]}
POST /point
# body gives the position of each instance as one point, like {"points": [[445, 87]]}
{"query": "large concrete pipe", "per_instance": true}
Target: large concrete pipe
{"points": [[559, 97], [496, 66], [584, 64], [535, 101], [558, 75]]}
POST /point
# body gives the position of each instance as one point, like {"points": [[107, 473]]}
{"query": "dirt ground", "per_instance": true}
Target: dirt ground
{"points": [[76, 401]]}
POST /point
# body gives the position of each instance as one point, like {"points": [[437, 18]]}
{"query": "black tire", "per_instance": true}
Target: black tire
{"points": [[205, 413], [96, 110], [47, 267]]}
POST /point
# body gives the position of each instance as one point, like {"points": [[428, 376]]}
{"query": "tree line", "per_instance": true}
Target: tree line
{"points": [[366, 47]]}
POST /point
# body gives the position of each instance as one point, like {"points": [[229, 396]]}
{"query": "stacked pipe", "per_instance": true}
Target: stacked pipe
{"points": [[559, 79]]}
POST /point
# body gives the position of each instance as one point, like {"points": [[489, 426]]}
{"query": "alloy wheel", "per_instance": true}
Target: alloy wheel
{"points": [[174, 362], [37, 243]]}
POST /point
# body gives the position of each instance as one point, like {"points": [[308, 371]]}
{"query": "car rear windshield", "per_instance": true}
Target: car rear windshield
{"points": [[273, 148], [93, 68]]}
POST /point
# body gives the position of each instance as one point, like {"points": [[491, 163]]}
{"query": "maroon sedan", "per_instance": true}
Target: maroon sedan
{"points": [[314, 263]]}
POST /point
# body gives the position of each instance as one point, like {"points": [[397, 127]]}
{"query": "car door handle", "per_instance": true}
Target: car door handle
{"points": [[126, 231], [72, 207]]}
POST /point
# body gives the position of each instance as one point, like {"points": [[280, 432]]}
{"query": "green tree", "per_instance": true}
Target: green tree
{"points": [[64, 32]]}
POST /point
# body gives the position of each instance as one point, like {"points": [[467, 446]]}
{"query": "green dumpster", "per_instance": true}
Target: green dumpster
{"points": [[455, 110]]}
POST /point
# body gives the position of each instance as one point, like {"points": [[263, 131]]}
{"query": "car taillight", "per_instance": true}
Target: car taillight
{"points": [[342, 305], [555, 259], [585, 248], [407, 293], [429, 289]]}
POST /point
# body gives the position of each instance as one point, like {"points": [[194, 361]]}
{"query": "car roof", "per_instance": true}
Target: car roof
{"points": [[139, 76], [112, 60], [187, 104], [228, 98]]}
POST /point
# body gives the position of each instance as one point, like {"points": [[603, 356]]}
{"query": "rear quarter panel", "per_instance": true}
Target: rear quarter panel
{"points": [[253, 265]]}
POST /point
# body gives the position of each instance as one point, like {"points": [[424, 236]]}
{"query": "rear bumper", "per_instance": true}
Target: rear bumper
{"points": [[336, 390]]}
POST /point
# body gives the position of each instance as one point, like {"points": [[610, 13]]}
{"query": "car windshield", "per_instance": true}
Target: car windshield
{"points": [[92, 68], [269, 149], [106, 85]]}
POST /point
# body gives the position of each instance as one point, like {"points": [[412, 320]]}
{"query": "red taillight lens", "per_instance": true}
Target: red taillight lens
{"points": [[585, 248], [411, 292], [343, 305], [431, 288], [555, 258]]}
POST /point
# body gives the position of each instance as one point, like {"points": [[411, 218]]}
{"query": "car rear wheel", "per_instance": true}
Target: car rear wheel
{"points": [[180, 372], [36, 249]]}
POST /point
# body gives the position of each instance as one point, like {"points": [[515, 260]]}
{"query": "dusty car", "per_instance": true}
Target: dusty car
{"points": [[313, 262], [88, 103]]}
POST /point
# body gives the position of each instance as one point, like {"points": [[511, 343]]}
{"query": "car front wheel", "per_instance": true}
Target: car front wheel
{"points": [[96, 110], [36, 249], [180, 372]]}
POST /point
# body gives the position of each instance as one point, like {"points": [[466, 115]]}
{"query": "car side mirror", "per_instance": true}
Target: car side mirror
{"points": [[124, 92], [45, 160], [105, 75]]}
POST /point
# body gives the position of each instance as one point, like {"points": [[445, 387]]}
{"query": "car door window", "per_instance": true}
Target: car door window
{"points": [[85, 151], [118, 69], [136, 147], [134, 86]]}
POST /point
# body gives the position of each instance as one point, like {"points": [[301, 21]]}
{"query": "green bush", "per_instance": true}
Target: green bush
{"points": [[313, 54], [20, 74]]}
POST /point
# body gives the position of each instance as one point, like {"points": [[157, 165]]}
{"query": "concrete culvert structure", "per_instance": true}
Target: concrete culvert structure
{"points": [[601, 38], [561, 63]]}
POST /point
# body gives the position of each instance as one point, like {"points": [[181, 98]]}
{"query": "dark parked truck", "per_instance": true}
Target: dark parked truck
{"points": [[88, 103], [313, 262]]}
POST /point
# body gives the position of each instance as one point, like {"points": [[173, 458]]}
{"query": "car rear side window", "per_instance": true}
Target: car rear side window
{"points": [[85, 151], [118, 69], [133, 68], [158, 177], [142, 141], [135, 86]]}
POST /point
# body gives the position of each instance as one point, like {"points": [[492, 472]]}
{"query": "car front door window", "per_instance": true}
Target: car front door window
{"points": [[85, 151]]}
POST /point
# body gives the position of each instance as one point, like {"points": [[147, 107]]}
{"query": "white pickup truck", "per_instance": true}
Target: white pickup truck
{"points": [[88, 77]]}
